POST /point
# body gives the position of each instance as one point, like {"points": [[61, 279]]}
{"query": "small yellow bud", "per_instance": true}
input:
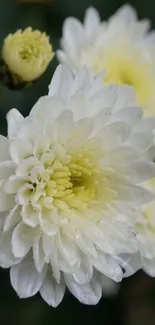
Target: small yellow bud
{"points": [[27, 54]]}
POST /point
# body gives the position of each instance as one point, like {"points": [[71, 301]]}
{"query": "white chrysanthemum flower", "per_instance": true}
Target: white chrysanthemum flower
{"points": [[69, 190], [121, 46]]}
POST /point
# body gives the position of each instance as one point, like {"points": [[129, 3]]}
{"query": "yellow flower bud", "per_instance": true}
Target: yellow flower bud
{"points": [[27, 53]]}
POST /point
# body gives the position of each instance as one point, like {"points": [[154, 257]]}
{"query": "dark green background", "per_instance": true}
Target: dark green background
{"points": [[135, 303]]}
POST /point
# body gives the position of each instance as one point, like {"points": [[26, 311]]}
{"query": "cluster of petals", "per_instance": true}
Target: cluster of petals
{"points": [[71, 176], [122, 45]]}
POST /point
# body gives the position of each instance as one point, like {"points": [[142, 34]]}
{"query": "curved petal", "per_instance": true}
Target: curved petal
{"points": [[65, 125], [115, 134], [69, 252], [140, 171], [91, 21], [12, 218], [130, 263], [25, 279], [30, 216], [108, 266], [52, 291], [7, 259], [61, 82], [7, 201], [46, 222], [126, 14], [7, 168], [20, 149], [74, 35], [15, 122], [22, 240], [13, 183], [85, 272], [149, 266], [38, 253], [89, 293]]}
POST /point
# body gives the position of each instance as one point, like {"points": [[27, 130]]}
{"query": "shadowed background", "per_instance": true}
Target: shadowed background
{"points": [[135, 302]]}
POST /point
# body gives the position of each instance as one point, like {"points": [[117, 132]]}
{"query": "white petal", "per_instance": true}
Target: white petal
{"points": [[51, 291], [115, 134], [122, 156], [109, 287], [46, 223], [22, 240], [97, 85], [61, 82], [63, 58], [83, 130], [131, 115], [126, 97], [136, 195], [79, 105], [20, 149], [12, 218], [25, 279], [30, 216], [7, 259], [37, 110], [26, 165], [85, 272], [141, 141], [82, 82], [41, 144], [69, 251], [29, 129], [46, 110], [146, 124], [7, 168], [65, 125], [51, 254], [7, 201], [15, 122], [85, 244], [108, 266], [91, 21], [13, 183], [140, 171], [4, 148], [103, 99], [47, 242], [38, 253], [130, 263], [74, 35], [149, 266], [126, 14], [24, 194], [89, 293]]}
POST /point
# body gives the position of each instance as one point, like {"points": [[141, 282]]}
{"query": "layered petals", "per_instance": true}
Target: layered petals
{"points": [[72, 187]]}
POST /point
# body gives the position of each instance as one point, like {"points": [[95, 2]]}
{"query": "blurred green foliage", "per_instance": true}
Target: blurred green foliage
{"points": [[135, 303]]}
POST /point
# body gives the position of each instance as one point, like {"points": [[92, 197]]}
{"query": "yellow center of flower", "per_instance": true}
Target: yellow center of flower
{"points": [[70, 183], [27, 54], [123, 65], [128, 68]]}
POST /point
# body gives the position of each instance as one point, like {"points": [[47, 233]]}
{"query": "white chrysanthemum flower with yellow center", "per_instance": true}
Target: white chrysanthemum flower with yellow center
{"points": [[121, 46], [69, 189], [27, 53]]}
